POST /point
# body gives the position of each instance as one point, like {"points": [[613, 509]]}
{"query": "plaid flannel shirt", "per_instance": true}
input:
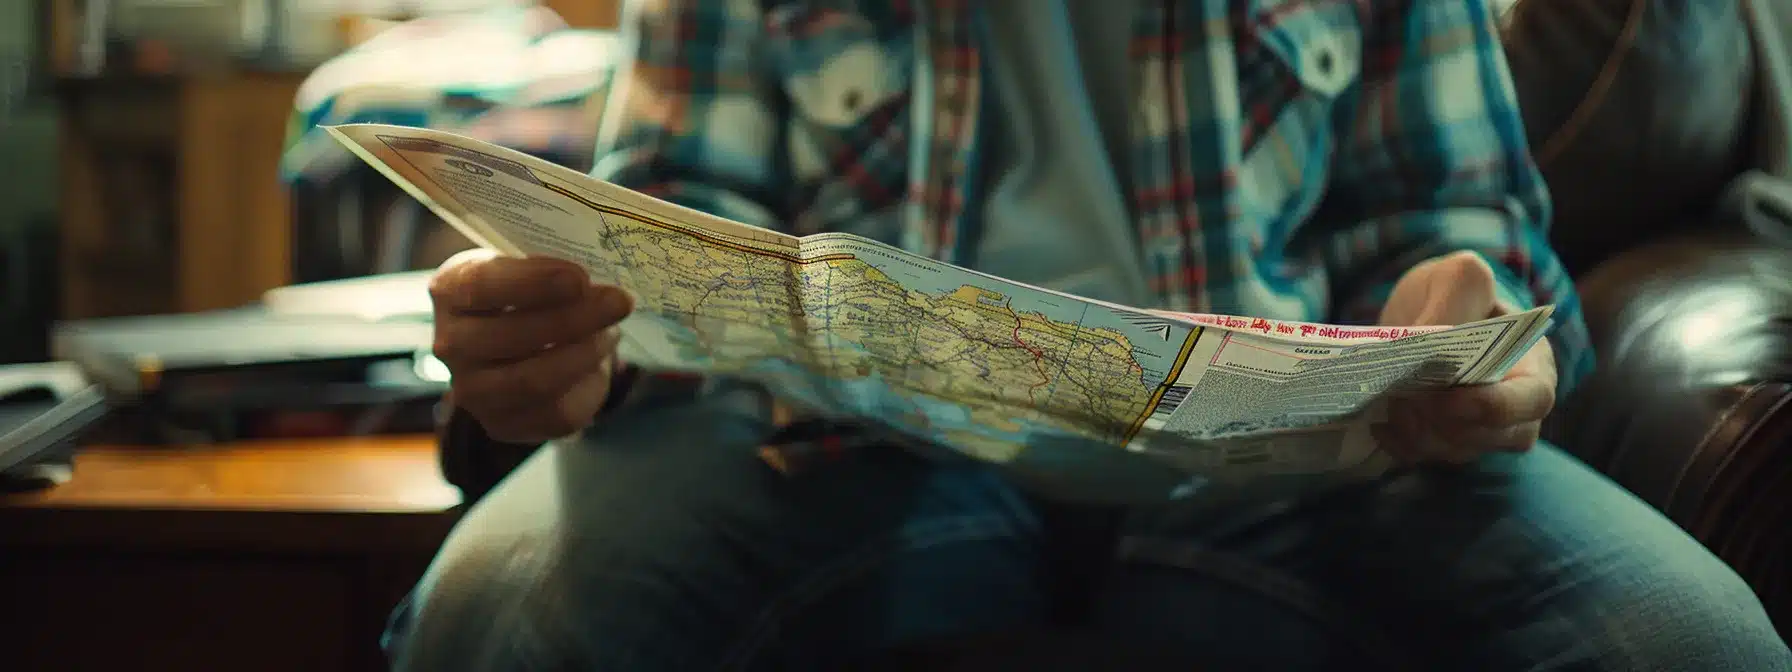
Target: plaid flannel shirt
{"points": [[1289, 159]]}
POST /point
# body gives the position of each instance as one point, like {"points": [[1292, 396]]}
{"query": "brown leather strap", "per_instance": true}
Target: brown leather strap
{"points": [[1728, 445]]}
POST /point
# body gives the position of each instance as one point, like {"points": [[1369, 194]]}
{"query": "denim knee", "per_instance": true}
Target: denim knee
{"points": [[1685, 615], [494, 598], [1523, 562], [1646, 595], [675, 549], [1612, 585]]}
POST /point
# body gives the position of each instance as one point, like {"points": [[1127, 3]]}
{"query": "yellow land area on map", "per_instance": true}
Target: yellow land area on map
{"points": [[842, 318]]}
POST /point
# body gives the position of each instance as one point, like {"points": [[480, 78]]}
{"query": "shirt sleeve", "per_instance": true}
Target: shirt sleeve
{"points": [[693, 110], [1432, 159]]}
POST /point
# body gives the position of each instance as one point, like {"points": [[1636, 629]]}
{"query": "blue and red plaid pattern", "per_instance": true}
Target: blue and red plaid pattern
{"points": [[1290, 159]]}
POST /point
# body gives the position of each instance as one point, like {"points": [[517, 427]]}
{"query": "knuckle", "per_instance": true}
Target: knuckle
{"points": [[1546, 397], [561, 423], [535, 382], [595, 359], [450, 344], [1526, 403], [452, 354], [578, 408], [608, 340], [1497, 400], [1531, 433], [465, 256], [1547, 393], [473, 390], [567, 324], [579, 356], [442, 289], [1504, 403], [1514, 438], [453, 280]]}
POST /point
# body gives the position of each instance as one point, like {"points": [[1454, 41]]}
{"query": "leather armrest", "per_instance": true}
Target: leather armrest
{"points": [[1679, 326], [1691, 408], [1702, 310]]}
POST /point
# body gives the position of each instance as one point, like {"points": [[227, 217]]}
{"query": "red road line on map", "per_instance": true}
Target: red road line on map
{"points": [[1038, 358]]}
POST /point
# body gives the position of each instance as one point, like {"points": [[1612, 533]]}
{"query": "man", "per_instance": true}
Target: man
{"points": [[1294, 159]]}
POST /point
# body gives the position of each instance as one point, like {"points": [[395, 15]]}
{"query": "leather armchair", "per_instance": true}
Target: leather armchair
{"points": [[1692, 407], [1643, 113]]}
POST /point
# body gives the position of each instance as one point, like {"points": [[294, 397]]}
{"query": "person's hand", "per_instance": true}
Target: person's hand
{"points": [[1461, 424], [531, 343]]}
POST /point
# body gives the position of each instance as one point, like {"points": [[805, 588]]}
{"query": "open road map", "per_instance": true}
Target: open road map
{"points": [[983, 365]]}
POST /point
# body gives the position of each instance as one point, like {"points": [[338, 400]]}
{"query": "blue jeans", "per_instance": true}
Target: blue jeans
{"points": [[663, 543]]}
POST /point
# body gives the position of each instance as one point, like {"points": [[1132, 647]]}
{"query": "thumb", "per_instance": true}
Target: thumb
{"points": [[1459, 288]]}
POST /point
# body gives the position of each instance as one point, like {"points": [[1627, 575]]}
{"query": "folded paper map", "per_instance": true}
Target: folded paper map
{"points": [[991, 368]]}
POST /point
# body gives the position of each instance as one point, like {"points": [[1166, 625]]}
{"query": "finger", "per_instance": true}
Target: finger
{"points": [[587, 396], [483, 339], [1517, 399], [1411, 441], [1409, 438], [1463, 290], [571, 412], [541, 422], [1409, 296], [1395, 436], [503, 283], [1432, 447], [1480, 440], [539, 381], [532, 424]]}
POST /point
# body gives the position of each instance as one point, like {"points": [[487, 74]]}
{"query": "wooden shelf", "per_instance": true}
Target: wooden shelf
{"points": [[230, 215]]}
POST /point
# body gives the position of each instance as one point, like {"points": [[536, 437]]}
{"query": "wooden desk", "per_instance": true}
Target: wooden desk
{"points": [[269, 557]]}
